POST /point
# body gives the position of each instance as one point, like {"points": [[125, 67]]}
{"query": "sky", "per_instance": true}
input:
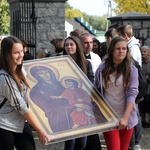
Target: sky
{"points": [[91, 7]]}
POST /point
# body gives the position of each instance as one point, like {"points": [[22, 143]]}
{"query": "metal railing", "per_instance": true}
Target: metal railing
{"points": [[24, 24]]}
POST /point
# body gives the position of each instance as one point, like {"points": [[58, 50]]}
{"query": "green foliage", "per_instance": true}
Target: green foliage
{"points": [[4, 17], [124, 6], [67, 6], [97, 22], [72, 13]]}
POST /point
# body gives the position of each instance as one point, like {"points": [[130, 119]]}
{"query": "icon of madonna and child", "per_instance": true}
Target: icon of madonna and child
{"points": [[65, 103]]}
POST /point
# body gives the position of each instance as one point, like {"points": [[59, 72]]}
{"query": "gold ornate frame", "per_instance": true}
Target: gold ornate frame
{"points": [[63, 68]]}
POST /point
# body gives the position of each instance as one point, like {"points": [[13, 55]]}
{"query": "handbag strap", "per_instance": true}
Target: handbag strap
{"points": [[101, 81], [5, 99], [3, 102], [100, 84]]}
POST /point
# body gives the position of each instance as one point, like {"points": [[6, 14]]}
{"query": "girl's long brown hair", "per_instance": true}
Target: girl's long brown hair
{"points": [[6, 61], [81, 61], [123, 68]]}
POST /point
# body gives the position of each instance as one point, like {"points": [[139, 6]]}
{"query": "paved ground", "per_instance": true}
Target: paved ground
{"points": [[145, 142]]}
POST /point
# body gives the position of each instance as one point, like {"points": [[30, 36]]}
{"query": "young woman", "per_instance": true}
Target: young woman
{"points": [[117, 79], [14, 129], [74, 48]]}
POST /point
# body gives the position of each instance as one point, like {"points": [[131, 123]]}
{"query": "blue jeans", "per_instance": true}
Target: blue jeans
{"points": [[136, 136], [76, 144]]}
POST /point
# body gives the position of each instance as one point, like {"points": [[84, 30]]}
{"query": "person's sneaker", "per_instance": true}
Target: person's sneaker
{"points": [[137, 147]]}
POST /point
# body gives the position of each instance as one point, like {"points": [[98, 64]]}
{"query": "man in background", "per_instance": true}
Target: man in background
{"points": [[87, 43], [109, 35], [93, 141]]}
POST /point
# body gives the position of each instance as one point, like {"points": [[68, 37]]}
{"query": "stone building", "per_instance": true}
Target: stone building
{"points": [[37, 22], [140, 23]]}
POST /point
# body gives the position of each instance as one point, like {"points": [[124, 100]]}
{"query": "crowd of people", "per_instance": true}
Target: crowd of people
{"points": [[108, 65]]}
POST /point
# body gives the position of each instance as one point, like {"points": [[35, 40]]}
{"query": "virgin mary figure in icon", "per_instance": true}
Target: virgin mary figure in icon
{"points": [[55, 109]]}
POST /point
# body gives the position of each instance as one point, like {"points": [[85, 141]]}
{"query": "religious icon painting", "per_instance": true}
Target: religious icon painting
{"points": [[64, 100]]}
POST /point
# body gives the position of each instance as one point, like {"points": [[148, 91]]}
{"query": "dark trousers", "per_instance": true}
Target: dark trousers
{"points": [[93, 142], [76, 144], [137, 133], [22, 141]]}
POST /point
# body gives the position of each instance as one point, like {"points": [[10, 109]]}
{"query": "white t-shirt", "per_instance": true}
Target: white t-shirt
{"points": [[24, 71], [115, 95]]}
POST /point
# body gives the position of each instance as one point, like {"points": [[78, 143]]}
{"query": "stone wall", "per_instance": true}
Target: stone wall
{"points": [[140, 23], [141, 29], [50, 21]]}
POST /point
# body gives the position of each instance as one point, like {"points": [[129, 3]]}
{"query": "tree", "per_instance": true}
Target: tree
{"points": [[4, 17], [124, 6], [73, 13], [97, 22], [67, 6]]}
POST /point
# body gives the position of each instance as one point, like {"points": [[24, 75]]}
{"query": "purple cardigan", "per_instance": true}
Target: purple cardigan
{"points": [[131, 92]]}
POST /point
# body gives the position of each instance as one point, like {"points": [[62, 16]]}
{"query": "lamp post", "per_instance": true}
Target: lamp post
{"points": [[109, 13]]}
